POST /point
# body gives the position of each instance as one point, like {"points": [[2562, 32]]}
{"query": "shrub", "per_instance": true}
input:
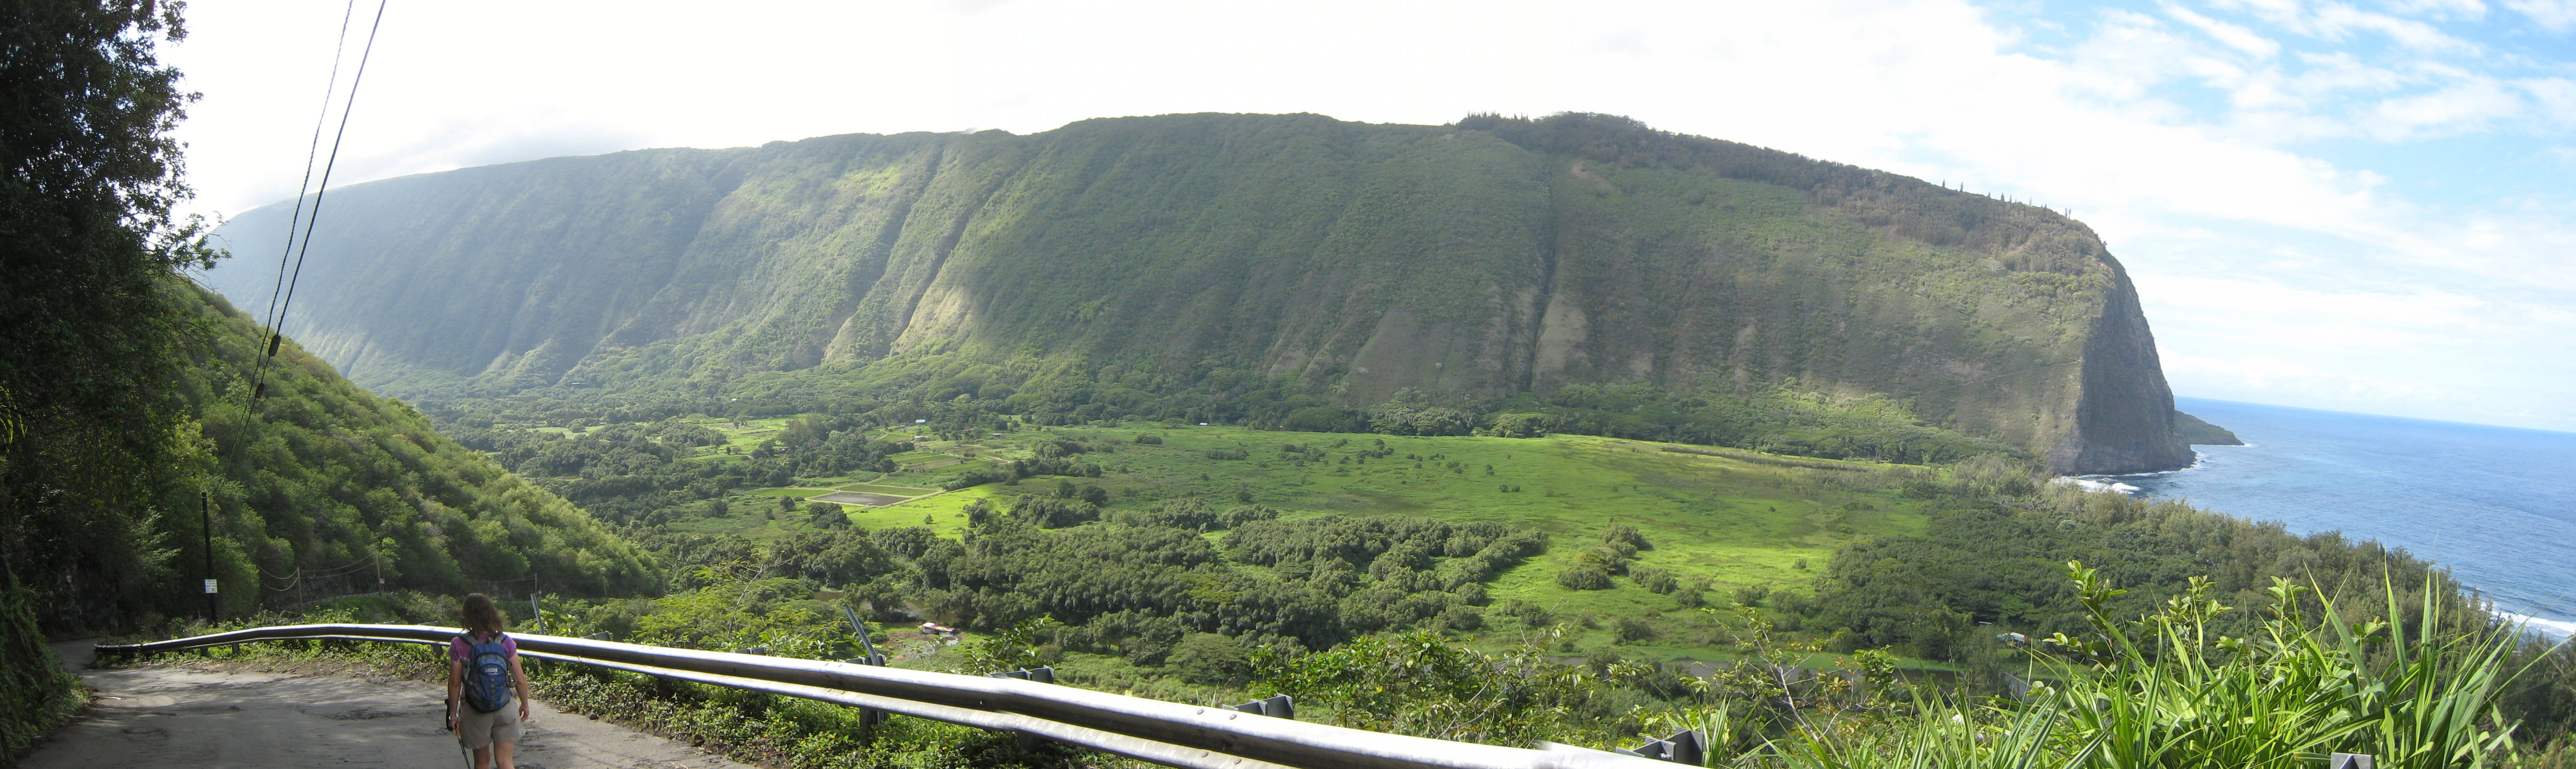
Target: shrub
{"points": [[1620, 534], [1237, 516], [1530, 614], [1460, 618], [1654, 579], [1519, 426], [1633, 628], [1419, 684], [1610, 559], [1583, 576], [1054, 513]]}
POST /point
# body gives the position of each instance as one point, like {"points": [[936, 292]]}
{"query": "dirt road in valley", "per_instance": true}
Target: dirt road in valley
{"points": [[181, 716]]}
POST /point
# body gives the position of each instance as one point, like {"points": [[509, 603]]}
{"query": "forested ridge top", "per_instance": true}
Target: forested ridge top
{"points": [[1469, 263]]}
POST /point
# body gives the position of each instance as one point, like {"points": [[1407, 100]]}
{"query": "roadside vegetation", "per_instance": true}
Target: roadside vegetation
{"points": [[2158, 688], [1384, 588]]}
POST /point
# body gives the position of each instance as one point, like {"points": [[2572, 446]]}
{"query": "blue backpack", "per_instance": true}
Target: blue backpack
{"points": [[487, 674]]}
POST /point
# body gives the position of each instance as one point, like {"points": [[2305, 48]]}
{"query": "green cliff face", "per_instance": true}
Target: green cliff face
{"points": [[1476, 260]]}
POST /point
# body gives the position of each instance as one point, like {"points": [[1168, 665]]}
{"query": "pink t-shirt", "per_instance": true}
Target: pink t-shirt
{"points": [[461, 651]]}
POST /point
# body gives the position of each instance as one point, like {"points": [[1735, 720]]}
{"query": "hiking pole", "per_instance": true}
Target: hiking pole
{"points": [[460, 736]]}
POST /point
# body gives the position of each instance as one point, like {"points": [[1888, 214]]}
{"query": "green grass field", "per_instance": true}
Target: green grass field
{"points": [[898, 491], [799, 492]]}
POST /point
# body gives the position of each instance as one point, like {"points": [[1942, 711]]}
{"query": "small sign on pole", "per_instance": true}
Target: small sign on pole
{"points": [[210, 587]]}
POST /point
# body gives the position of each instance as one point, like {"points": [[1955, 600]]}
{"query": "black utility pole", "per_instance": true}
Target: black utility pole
{"points": [[206, 516]]}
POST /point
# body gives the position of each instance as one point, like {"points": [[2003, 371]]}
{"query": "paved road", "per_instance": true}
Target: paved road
{"points": [[176, 717]]}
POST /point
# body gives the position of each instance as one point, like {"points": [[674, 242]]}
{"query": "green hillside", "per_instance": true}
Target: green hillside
{"points": [[1278, 271], [324, 491], [330, 476], [2200, 432]]}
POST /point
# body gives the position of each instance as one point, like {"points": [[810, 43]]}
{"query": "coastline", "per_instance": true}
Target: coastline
{"points": [[2553, 629], [2547, 628]]}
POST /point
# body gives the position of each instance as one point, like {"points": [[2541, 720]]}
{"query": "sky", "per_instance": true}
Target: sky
{"points": [[2360, 206]]}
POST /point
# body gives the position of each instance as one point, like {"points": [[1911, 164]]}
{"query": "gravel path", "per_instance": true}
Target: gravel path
{"points": [[174, 716]]}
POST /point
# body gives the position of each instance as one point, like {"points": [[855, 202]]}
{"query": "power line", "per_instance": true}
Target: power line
{"points": [[279, 302], [346, 108], [286, 302], [312, 152]]}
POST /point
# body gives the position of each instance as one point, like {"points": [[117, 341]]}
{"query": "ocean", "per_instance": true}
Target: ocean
{"points": [[2494, 504]]}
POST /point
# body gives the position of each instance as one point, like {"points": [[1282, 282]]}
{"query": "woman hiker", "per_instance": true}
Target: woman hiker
{"points": [[483, 680]]}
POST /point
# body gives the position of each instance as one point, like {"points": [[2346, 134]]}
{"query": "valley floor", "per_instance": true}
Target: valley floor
{"points": [[1732, 522]]}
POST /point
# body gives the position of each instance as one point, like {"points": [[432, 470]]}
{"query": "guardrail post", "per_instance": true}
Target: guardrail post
{"points": [[868, 717], [1045, 675], [1687, 746], [1040, 675], [1277, 706]]}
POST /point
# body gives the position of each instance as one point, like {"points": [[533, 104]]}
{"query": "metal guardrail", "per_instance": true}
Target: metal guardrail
{"points": [[1168, 733]]}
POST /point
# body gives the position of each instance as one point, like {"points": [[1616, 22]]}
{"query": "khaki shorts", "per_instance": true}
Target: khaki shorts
{"points": [[480, 730]]}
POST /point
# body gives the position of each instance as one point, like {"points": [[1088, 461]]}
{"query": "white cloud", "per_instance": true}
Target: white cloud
{"points": [[2236, 37], [2387, 348], [2441, 9], [2556, 97], [2336, 21], [2557, 15], [2466, 106]]}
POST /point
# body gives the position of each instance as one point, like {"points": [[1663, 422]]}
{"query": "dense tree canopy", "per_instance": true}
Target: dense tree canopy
{"points": [[93, 454]]}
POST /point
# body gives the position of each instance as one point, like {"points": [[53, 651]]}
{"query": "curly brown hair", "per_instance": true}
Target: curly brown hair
{"points": [[479, 614]]}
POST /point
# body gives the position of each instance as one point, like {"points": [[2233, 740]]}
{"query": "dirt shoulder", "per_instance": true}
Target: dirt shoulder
{"points": [[313, 713]]}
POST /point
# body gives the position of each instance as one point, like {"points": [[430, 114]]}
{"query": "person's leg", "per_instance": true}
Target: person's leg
{"points": [[476, 730], [505, 737]]}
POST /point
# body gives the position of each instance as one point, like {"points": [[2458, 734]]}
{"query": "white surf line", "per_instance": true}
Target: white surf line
{"points": [[2546, 627], [2098, 487]]}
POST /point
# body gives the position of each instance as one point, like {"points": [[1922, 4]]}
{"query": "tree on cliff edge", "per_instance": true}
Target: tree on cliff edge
{"points": [[89, 176]]}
